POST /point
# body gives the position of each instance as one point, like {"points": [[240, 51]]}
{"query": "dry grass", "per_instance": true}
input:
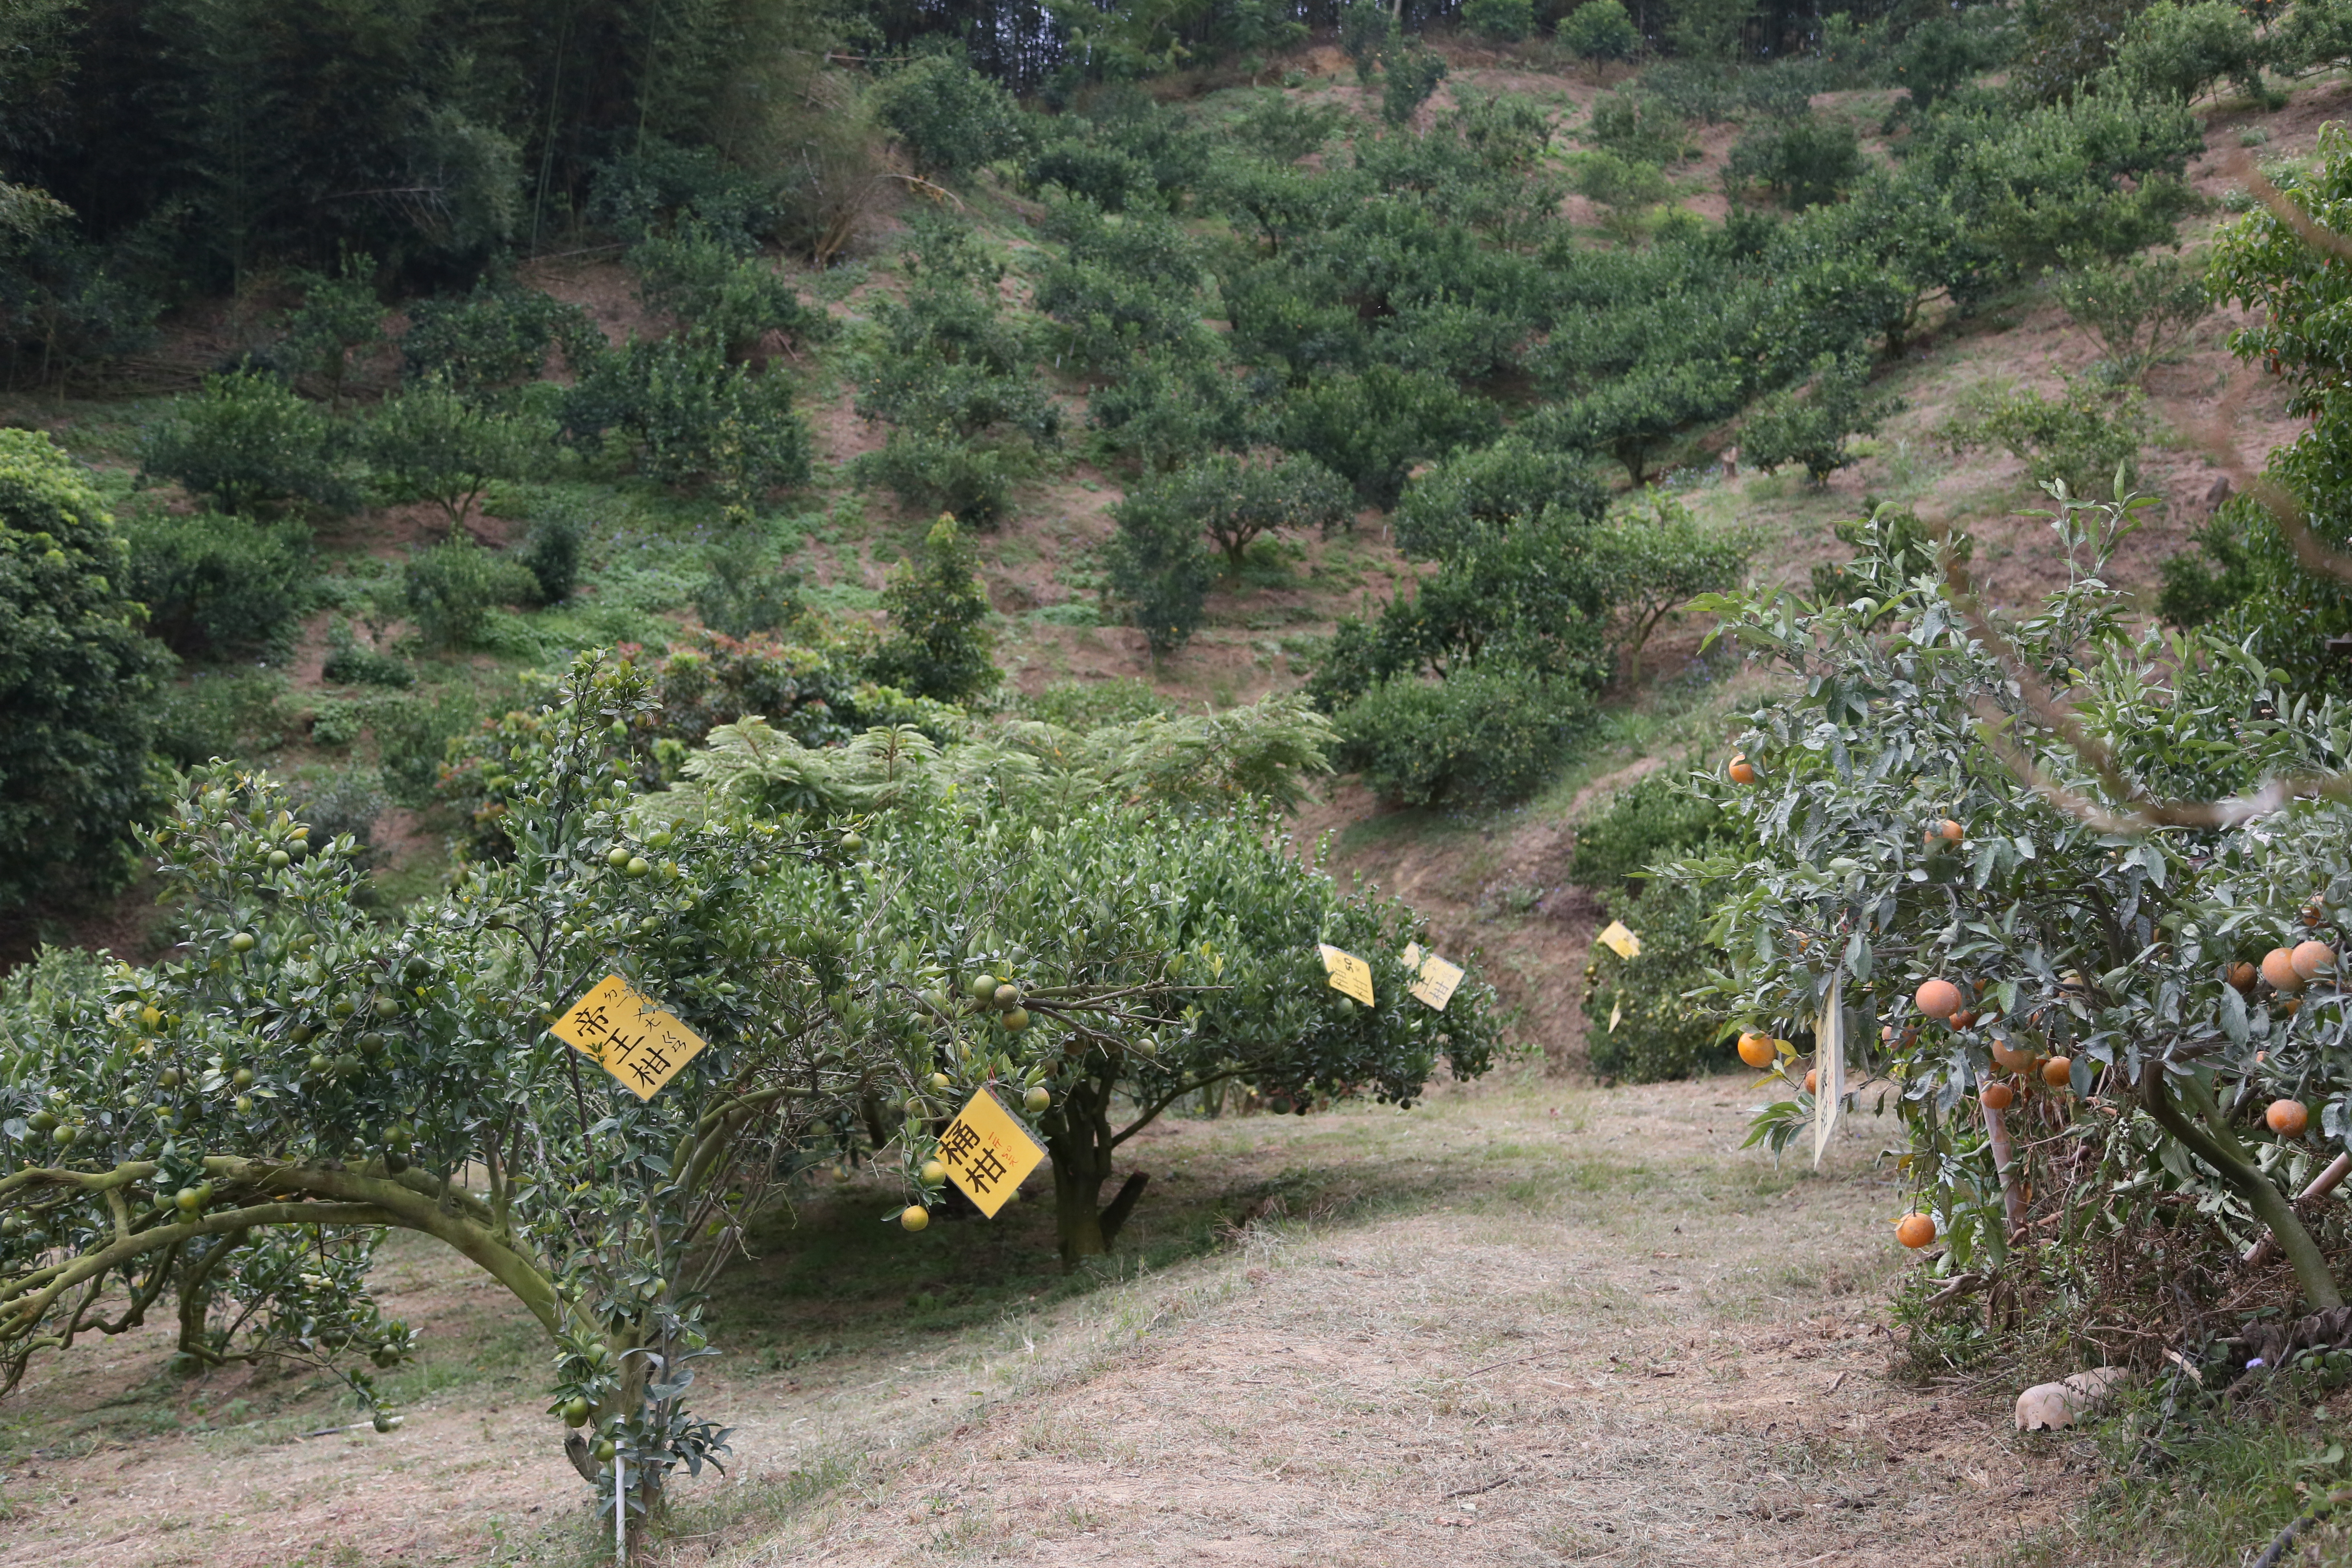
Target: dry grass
{"points": [[1524, 1325]]}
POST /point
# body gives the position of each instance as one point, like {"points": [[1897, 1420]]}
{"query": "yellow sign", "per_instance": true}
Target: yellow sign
{"points": [[1622, 941], [1434, 979], [988, 1154], [1350, 975], [629, 1035]]}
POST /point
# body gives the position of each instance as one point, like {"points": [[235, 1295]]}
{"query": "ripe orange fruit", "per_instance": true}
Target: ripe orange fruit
{"points": [[1947, 830], [1938, 998], [1964, 1018], [1741, 771], [1998, 1097], [2313, 959], [1813, 1081], [2278, 968], [1915, 1230], [2058, 1072], [1757, 1050], [2243, 976], [2287, 1118], [2010, 1060]]}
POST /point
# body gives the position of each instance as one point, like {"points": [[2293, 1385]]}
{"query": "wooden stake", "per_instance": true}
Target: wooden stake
{"points": [[2004, 1157], [2327, 1182]]}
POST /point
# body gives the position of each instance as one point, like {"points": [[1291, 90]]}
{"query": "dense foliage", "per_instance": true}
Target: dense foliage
{"points": [[76, 677], [1922, 814], [301, 1077]]}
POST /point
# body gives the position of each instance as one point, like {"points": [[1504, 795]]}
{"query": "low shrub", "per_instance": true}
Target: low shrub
{"points": [[1638, 1024], [2084, 439], [1499, 21], [350, 662], [1804, 161], [1091, 704], [931, 472], [551, 553], [748, 591], [433, 445], [1159, 567], [247, 444], [340, 803], [2141, 308], [218, 586], [240, 714], [938, 644], [448, 592], [1411, 74], [497, 336], [690, 420], [1481, 737], [1657, 815], [1236, 499], [733, 298], [949, 118]]}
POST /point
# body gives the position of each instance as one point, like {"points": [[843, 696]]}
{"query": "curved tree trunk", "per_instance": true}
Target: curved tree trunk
{"points": [[2211, 1139]]}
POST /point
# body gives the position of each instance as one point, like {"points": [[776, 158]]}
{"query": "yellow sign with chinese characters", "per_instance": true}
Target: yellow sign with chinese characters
{"points": [[988, 1154], [629, 1035], [1433, 978], [1350, 975], [1622, 941]]}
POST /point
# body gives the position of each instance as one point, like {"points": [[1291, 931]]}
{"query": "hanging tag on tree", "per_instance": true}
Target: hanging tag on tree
{"points": [[629, 1036], [1620, 939], [1433, 978], [1829, 1065], [1350, 975], [987, 1154]]}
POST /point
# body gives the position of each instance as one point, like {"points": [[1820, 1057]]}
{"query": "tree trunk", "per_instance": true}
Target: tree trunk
{"points": [[1078, 1143], [2210, 1139]]}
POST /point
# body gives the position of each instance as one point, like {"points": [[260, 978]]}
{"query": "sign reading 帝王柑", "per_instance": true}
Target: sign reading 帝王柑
{"points": [[988, 1154], [629, 1036]]}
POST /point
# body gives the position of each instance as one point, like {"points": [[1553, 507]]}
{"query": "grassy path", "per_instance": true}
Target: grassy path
{"points": [[1524, 1324]]}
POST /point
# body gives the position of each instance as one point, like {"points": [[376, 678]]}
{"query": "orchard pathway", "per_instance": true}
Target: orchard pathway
{"points": [[1543, 1325]]}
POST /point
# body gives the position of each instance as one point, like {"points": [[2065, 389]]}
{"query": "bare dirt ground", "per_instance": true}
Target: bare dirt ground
{"points": [[1523, 1324]]}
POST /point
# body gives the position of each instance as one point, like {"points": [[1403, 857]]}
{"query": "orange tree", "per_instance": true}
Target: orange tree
{"points": [[1100, 864], [230, 1130], [2019, 810]]}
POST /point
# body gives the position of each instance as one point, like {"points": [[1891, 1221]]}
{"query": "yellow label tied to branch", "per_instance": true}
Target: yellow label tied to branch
{"points": [[629, 1035], [1433, 978], [1621, 941], [1350, 975], [988, 1154]]}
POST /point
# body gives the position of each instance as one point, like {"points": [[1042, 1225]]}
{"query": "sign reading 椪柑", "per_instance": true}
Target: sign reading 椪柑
{"points": [[629, 1035], [1350, 975], [988, 1154], [1433, 978]]}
